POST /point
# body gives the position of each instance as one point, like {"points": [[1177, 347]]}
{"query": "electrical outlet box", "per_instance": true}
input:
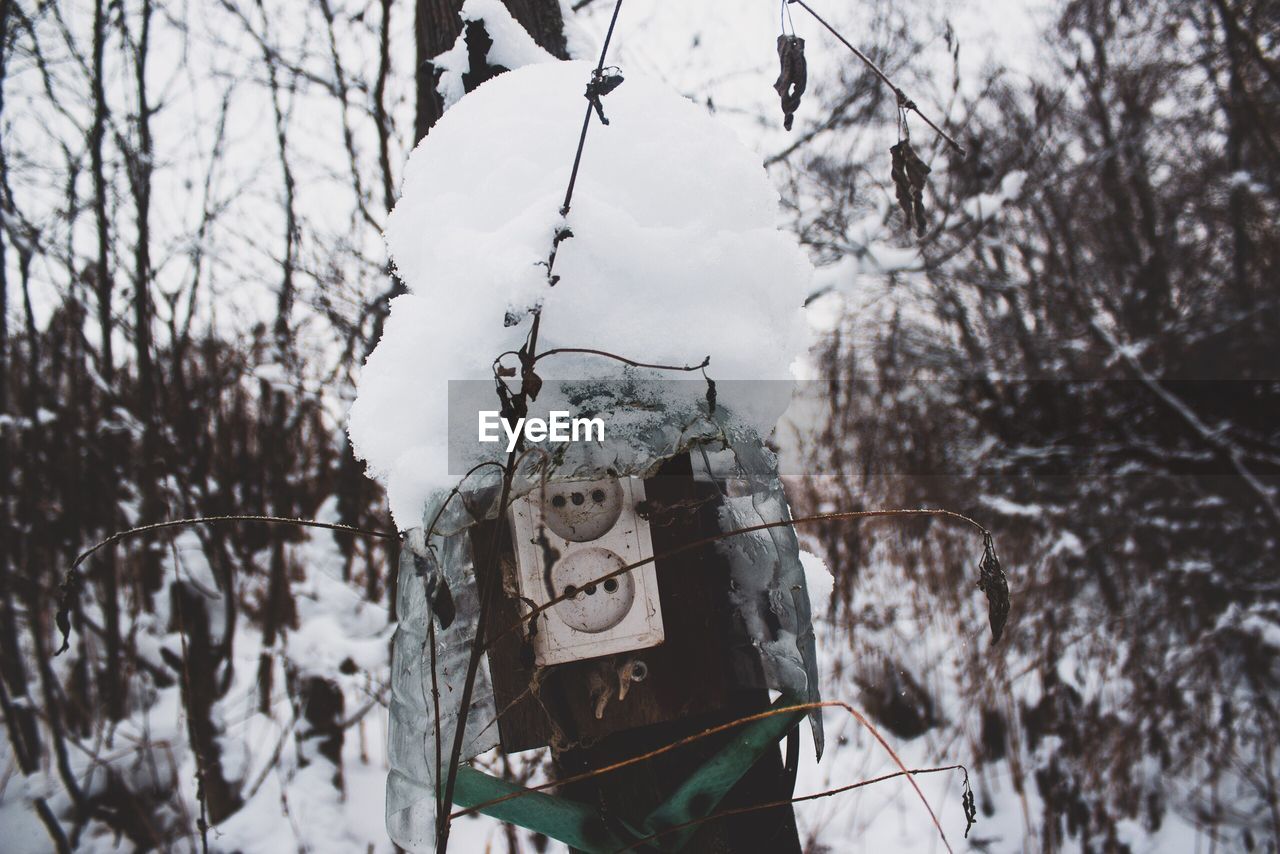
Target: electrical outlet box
{"points": [[567, 536]]}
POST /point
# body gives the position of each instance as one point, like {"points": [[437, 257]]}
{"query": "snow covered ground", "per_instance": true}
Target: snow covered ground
{"points": [[292, 808]]}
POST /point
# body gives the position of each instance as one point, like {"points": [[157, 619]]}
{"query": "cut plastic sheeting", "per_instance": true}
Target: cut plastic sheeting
{"points": [[769, 591], [427, 580]]}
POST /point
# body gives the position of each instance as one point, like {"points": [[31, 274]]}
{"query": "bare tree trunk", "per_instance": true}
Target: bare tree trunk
{"points": [[380, 117], [319, 735], [5, 202], [196, 670], [543, 21], [21, 726], [147, 405], [437, 26], [106, 362], [280, 611], [101, 273], [284, 300]]}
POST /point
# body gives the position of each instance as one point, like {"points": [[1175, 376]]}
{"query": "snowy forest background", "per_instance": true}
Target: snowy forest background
{"points": [[1081, 352]]}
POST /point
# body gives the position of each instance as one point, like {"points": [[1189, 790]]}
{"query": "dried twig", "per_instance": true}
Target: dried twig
{"points": [[799, 707], [632, 362], [993, 582], [71, 580], [826, 793]]}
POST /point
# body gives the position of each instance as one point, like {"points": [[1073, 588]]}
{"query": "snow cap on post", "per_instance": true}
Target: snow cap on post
{"points": [[676, 255]]}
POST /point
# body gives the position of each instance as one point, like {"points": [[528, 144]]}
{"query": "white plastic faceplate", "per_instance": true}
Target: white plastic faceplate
{"points": [[592, 528]]}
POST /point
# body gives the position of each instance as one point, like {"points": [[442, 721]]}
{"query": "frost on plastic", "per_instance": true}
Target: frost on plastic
{"points": [[436, 585], [768, 587], [768, 592]]}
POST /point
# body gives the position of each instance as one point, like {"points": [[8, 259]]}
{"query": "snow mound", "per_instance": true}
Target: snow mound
{"points": [[675, 255]]}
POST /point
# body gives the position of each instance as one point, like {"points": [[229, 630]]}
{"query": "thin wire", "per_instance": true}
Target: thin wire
{"points": [[586, 121], [70, 581], [767, 713], [666, 748], [206, 520], [531, 343], [727, 813], [782, 19], [632, 362], [444, 821], [903, 101], [723, 535]]}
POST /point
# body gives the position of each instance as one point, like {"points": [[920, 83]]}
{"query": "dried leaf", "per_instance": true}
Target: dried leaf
{"points": [[909, 174], [792, 76], [602, 83], [967, 802], [531, 384], [66, 599], [436, 589], [992, 581]]}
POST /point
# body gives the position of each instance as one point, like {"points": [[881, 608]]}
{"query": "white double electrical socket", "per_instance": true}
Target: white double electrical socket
{"points": [[568, 536]]}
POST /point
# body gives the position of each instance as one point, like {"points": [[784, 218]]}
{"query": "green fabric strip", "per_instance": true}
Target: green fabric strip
{"points": [[580, 826], [571, 822], [701, 794]]}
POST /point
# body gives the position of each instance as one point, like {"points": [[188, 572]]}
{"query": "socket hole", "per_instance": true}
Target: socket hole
{"points": [[557, 501], [578, 498], [570, 591], [591, 589], [598, 496], [611, 585], [639, 671]]}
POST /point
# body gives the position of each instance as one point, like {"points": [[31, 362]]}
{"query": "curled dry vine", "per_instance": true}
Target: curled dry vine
{"points": [[970, 811], [72, 579], [908, 171]]}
